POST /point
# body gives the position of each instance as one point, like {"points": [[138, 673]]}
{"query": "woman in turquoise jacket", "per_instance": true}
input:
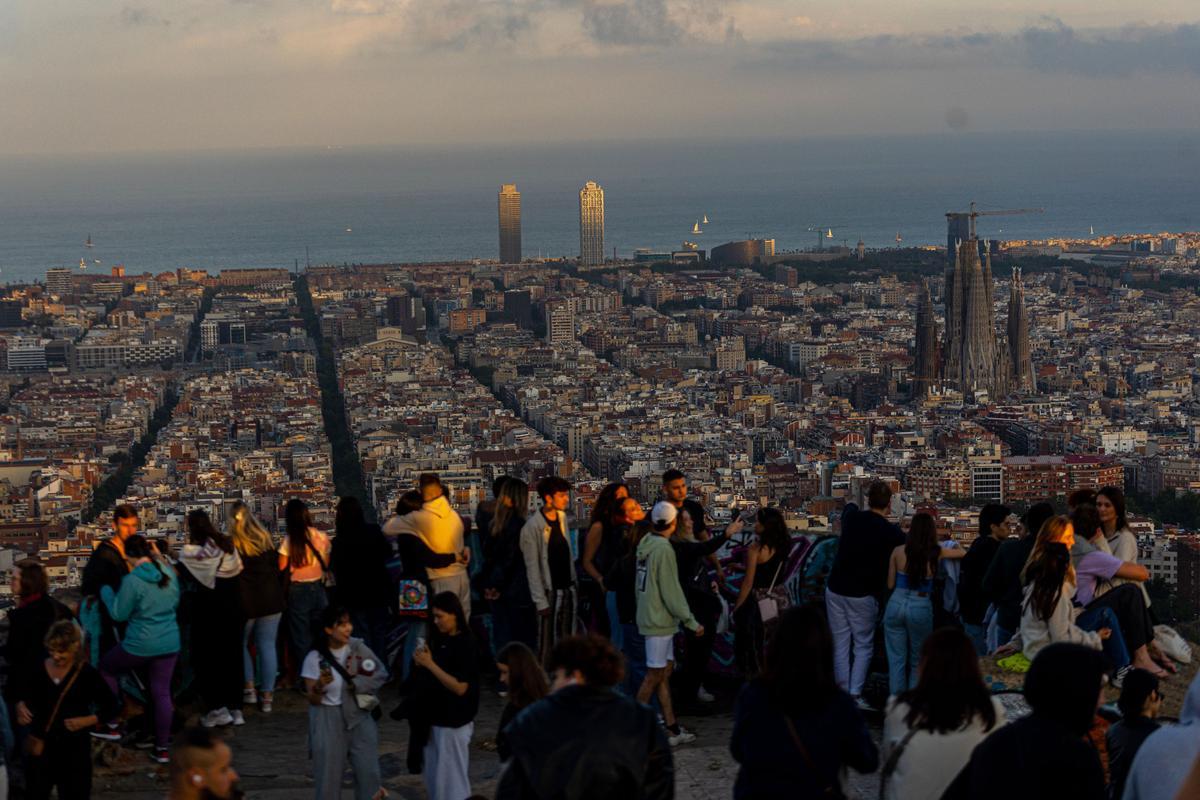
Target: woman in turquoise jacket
{"points": [[147, 602]]}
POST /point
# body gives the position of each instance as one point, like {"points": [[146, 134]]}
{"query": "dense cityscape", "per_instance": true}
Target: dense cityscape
{"points": [[791, 379]]}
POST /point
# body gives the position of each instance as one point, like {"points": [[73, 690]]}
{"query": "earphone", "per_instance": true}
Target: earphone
{"points": [[197, 780]]}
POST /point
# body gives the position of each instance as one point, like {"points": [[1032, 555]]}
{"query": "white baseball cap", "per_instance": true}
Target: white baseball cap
{"points": [[663, 514]]}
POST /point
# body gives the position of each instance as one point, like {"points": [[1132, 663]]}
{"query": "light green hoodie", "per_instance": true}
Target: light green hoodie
{"points": [[661, 605]]}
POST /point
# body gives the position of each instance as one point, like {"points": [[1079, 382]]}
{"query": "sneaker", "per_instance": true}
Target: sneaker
{"points": [[161, 755], [249, 696], [109, 732], [237, 718], [143, 741], [704, 696], [266, 705], [683, 737], [1118, 678], [863, 705], [216, 718]]}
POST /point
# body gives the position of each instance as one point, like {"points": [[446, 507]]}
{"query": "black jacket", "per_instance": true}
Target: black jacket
{"points": [[24, 651], [585, 743], [693, 571], [260, 585], [1033, 758], [106, 567], [504, 564], [972, 601], [771, 763], [1123, 740], [1002, 581], [358, 559]]}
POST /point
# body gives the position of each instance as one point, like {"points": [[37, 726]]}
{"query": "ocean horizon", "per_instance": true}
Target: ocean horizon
{"points": [[262, 208]]}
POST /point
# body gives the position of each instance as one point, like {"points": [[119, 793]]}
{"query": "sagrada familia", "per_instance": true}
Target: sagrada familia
{"points": [[972, 359]]}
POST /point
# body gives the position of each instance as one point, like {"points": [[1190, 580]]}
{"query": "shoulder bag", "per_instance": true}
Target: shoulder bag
{"points": [[773, 600], [365, 701], [894, 759], [35, 746]]}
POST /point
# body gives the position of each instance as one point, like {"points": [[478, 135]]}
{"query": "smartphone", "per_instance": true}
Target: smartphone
{"points": [[326, 670]]}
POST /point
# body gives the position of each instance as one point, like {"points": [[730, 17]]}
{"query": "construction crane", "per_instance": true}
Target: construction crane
{"points": [[823, 232], [972, 214]]}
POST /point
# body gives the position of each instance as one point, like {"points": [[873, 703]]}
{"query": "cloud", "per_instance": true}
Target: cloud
{"points": [[1050, 46], [459, 24], [140, 17], [656, 22]]}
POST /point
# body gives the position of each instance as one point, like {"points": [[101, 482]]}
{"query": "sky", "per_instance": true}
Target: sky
{"points": [[82, 76]]}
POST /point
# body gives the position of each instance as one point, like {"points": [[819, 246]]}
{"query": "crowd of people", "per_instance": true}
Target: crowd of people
{"points": [[597, 640]]}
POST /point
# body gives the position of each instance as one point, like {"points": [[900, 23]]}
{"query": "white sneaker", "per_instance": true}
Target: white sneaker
{"points": [[863, 705], [216, 718], [249, 696], [237, 718], [703, 696], [683, 737]]}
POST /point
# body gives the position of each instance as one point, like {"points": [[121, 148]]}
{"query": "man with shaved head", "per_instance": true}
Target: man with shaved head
{"points": [[202, 767]]}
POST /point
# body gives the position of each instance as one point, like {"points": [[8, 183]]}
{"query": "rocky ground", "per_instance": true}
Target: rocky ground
{"points": [[271, 753]]}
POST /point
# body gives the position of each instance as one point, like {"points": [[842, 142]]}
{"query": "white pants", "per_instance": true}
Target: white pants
{"points": [[460, 585], [446, 763], [852, 622]]}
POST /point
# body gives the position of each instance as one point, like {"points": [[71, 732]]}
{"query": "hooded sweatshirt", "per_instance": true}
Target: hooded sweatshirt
{"points": [[149, 609], [1166, 756], [208, 562], [661, 605]]}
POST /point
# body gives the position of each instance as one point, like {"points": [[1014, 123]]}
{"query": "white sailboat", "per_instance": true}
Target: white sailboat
{"points": [[705, 220], [696, 229], [899, 238], [88, 243], [82, 264], [1091, 230]]}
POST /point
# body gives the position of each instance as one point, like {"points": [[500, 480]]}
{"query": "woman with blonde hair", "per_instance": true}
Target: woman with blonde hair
{"points": [[263, 603]]}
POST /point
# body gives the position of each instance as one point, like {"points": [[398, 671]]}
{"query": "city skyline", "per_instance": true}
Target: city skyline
{"points": [[231, 74]]}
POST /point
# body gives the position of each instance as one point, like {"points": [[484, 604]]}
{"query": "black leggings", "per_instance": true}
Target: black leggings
{"points": [[1127, 603], [66, 764]]}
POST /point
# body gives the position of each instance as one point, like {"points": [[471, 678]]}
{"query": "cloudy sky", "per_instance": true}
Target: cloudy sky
{"points": [[128, 75]]}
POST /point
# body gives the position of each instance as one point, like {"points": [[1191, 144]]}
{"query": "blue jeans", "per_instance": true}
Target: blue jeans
{"points": [[416, 630], [306, 601], [907, 623], [1114, 646], [978, 636], [635, 658], [264, 630]]}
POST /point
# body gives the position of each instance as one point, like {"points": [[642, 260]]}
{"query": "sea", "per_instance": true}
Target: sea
{"points": [[281, 208]]}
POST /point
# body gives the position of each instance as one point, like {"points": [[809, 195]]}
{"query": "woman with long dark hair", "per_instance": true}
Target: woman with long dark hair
{"points": [[930, 730], [526, 682], [147, 602], [908, 618], [794, 730], [622, 580], [765, 559], [1048, 615], [214, 604], [600, 545], [1110, 508], [449, 678], [304, 555], [506, 584], [359, 558], [263, 602], [28, 623]]}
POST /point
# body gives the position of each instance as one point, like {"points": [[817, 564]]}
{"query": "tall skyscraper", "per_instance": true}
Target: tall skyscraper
{"points": [[58, 280], [591, 224], [925, 368], [509, 204], [1018, 336], [972, 360], [560, 322]]}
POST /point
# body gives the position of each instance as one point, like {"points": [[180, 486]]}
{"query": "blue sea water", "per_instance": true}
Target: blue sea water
{"points": [[224, 209]]}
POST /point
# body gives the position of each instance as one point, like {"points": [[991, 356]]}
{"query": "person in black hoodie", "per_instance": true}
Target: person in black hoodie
{"points": [[263, 600], [794, 730], [505, 583], [359, 562], [1046, 755], [1002, 585], [972, 599], [106, 567], [585, 740], [28, 623], [621, 580], [1139, 704]]}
